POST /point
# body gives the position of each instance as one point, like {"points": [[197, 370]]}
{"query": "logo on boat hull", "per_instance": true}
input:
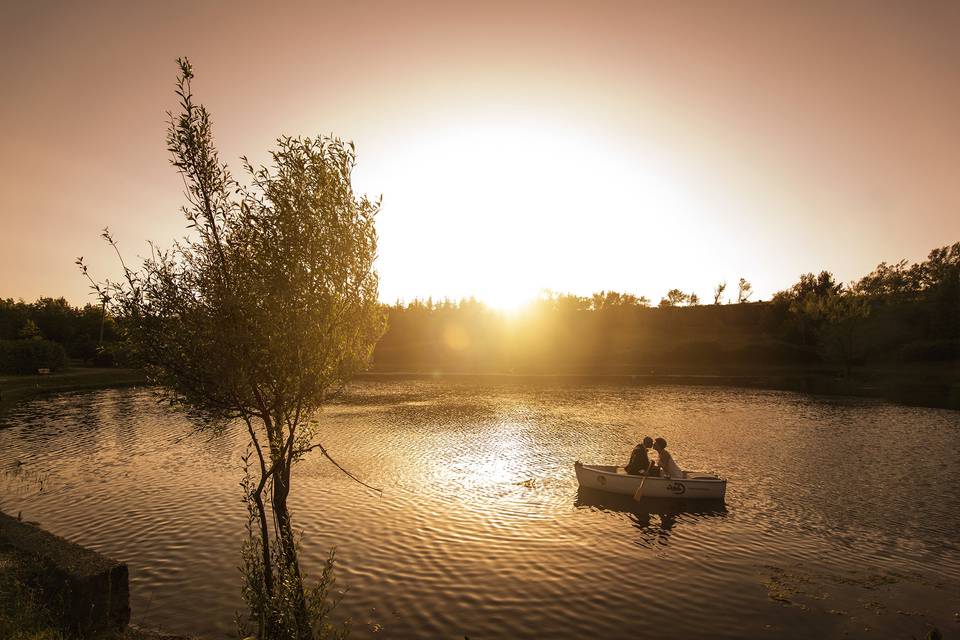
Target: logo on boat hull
{"points": [[602, 480], [677, 487]]}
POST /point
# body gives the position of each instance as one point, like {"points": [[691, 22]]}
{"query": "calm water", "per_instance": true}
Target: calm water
{"points": [[841, 515]]}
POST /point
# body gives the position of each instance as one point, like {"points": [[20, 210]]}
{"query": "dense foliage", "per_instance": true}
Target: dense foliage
{"points": [[29, 355], [896, 314], [77, 329]]}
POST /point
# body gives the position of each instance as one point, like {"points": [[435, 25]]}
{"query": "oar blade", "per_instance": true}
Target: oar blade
{"points": [[638, 494]]}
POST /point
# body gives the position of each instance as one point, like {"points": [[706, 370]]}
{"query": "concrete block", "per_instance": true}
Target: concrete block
{"points": [[89, 592]]}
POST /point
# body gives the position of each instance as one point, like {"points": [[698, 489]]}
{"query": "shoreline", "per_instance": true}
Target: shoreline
{"points": [[935, 387], [927, 387], [15, 389]]}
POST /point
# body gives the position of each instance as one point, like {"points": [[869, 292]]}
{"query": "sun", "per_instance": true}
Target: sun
{"points": [[509, 299], [502, 207]]}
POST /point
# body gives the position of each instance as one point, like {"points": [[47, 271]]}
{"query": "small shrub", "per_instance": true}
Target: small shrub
{"points": [[272, 611]]}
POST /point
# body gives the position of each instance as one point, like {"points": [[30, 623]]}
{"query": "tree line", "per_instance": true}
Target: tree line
{"points": [[899, 314], [45, 333]]}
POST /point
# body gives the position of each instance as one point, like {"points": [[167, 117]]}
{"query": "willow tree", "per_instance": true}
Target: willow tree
{"points": [[264, 310]]}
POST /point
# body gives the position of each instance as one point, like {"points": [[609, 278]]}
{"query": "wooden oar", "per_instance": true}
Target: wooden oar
{"points": [[638, 494]]}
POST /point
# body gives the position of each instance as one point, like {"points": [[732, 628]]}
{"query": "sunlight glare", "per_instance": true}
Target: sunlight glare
{"points": [[506, 208], [509, 300]]}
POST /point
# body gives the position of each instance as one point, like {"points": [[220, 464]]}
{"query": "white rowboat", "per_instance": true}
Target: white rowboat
{"points": [[694, 485]]}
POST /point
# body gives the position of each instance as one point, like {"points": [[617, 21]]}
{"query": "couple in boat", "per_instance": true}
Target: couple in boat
{"points": [[640, 463]]}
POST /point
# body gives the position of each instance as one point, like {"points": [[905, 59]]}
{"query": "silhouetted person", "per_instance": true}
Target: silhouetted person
{"points": [[639, 460], [669, 466]]}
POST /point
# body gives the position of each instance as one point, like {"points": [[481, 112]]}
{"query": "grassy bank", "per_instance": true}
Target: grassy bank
{"points": [[24, 615], [17, 388]]}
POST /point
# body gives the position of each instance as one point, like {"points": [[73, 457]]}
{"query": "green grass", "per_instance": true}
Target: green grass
{"points": [[17, 388], [23, 613]]}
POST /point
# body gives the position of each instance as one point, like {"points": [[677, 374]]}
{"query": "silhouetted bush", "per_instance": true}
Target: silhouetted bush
{"points": [[26, 356]]}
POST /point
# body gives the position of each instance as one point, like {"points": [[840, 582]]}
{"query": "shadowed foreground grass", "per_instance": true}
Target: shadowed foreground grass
{"points": [[27, 614], [23, 613], [17, 388]]}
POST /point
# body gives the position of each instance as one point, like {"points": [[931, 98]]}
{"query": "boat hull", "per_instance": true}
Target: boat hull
{"points": [[696, 486]]}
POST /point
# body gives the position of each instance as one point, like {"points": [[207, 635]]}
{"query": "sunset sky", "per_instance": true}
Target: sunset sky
{"points": [[518, 146]]}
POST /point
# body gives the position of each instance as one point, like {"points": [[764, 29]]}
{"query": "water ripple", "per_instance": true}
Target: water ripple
{"points": [[839, 513]]}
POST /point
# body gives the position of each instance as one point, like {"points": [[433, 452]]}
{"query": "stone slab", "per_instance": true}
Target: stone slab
{"points": [[88, 591]]}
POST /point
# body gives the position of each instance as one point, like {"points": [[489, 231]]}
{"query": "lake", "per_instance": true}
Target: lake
{"points": [[841, 515]]}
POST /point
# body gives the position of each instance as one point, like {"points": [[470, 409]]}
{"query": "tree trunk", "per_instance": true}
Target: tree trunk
{"points": [[266, 620], [289, 562]]}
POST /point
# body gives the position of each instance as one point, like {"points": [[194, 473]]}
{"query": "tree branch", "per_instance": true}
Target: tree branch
{"points": [[326, 454]]}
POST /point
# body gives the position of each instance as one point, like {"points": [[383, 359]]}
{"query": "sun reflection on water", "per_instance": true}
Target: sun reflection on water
{"points": [[493, 458]]}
